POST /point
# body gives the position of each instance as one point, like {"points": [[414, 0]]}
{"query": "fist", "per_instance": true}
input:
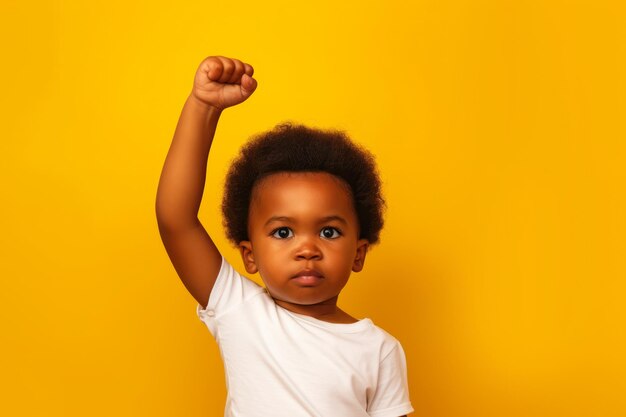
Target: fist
{"points": [[222, 82]]}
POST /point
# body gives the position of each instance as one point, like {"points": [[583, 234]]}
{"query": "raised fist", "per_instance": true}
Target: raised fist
{"points": [[223, 82]]}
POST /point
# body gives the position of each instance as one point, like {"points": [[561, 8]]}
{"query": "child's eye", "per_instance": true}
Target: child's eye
{"points": [[330, 233], [282, 233]]}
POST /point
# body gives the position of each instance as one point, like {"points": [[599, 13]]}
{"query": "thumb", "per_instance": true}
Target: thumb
{"points": [[248, 85]]}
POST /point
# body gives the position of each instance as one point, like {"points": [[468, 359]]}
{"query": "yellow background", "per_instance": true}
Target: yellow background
{"points": [[499, 128]]}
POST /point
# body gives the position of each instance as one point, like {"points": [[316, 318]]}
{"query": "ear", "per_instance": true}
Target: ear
{"points": [[245, 247], [361, 251]]}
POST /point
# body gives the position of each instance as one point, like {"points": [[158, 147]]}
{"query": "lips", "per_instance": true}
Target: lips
{"points": [[308, 273], [308, 278]]}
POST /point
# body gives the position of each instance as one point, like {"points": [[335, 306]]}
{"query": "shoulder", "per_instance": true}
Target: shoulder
{"points": [[387, 342], [231, 289]]}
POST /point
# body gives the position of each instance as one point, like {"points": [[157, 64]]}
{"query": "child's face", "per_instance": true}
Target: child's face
{"points": [[303, 221]]}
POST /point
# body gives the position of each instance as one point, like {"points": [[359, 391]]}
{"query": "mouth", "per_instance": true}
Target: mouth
{"points": [[308, 277]]}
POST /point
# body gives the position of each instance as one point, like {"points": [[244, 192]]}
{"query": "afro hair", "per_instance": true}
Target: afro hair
{"points": [[297, 148]]}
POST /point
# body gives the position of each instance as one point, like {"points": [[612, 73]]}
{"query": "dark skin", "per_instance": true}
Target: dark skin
{"points": [[304, 221], [219, 83]]}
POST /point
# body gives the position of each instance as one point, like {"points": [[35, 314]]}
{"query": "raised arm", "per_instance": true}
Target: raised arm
{"points": [[219, 83]]}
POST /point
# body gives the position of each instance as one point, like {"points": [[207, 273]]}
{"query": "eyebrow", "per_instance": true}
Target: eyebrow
{"points": [[291, 220]]}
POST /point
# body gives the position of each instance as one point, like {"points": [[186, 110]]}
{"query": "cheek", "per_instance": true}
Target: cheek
{"points": [[341, 259], [269, 263], [270, 252]]}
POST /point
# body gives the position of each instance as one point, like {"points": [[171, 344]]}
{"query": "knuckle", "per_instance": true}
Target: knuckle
{"points": [[229, 66]]}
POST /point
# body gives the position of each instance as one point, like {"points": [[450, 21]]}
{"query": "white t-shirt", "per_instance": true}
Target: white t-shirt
{"points": [[279, 363]]}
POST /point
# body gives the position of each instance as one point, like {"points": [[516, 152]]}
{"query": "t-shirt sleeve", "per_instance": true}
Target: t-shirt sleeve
{"points": [[229, 291], [391, 398]]}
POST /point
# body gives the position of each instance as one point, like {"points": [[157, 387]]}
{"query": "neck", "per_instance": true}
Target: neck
{"points": [[325, 311]]}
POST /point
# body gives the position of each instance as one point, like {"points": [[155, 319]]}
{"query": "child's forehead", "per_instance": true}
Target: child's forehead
{"points": [[293, 190], [289, 178]]}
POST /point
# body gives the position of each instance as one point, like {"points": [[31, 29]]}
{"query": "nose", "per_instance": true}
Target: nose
{"points": [[308, 249]]}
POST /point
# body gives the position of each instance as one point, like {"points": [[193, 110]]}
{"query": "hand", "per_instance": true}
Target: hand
{"points": [[222, 82]]}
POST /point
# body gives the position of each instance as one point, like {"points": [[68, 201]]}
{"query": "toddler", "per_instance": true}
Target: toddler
{"points": [[303, 206]]}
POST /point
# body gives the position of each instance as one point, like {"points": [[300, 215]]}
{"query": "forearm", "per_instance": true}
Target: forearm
{"points": [[183, 176]]}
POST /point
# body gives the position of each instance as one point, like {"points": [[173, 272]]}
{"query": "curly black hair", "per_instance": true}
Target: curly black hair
{"points": [[292, 147]]}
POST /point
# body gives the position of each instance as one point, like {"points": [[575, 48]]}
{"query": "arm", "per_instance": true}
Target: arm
{"points": [[219, 83]]}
